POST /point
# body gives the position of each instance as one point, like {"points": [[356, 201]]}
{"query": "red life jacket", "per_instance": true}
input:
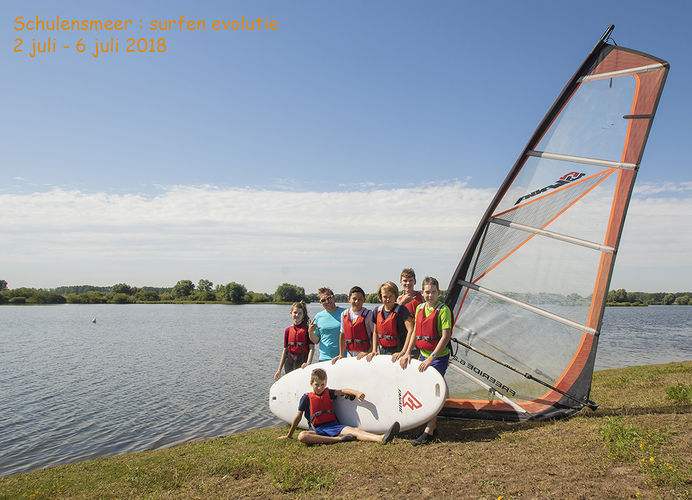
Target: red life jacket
{"points": [[386, 328], [427, 335], [297, 339], [413, 303], [321, 408], [355, 334]]}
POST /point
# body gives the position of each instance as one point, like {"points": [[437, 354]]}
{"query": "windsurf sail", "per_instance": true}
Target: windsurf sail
{"points": [[529, 292]]}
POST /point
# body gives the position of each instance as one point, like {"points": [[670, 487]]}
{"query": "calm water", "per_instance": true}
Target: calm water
{"points": [[147, 376]]}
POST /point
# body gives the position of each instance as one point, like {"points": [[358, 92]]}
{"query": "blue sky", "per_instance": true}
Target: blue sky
{"points": [[271, 156]]}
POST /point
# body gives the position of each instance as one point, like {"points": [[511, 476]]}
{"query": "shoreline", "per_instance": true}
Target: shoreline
{"points": [[485, 459]]}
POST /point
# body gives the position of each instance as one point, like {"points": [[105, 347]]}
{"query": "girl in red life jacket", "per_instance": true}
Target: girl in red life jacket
{"points": [[356, 326], [298, 348], [393, 326], [324, 425]]}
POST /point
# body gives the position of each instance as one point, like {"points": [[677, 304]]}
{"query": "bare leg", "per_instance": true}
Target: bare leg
{"points": [[362, 435], [311, 437], [431, 426]]}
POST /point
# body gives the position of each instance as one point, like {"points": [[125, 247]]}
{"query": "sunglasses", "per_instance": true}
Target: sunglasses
{"points": [[325, 299]]}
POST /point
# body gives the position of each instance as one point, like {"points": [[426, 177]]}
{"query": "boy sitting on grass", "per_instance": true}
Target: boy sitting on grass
{"points": [[327, 429]]}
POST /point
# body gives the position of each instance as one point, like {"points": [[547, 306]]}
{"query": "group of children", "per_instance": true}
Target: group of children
{"points": [[407, 323]]}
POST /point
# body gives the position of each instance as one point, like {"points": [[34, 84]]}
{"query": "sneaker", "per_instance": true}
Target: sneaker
{"points": [[424, 438], [347, 437], [389, 435]]}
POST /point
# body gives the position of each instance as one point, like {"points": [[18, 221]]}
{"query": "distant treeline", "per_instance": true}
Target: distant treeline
{"points": [[622, 297], [237, 293]]}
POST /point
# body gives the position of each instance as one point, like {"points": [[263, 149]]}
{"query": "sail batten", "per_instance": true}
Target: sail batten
{"points": [[529, 307], [531, 287], [580, 159], [623, 72], [550, 234]]}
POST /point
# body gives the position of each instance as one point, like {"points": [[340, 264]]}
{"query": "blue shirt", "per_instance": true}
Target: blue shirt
{"points": [[328, 327]]}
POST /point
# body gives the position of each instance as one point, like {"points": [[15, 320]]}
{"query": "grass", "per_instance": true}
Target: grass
{"points": [[637, 445]]}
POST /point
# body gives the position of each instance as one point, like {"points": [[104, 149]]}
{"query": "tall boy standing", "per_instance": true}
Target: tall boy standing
{"points": [[409, 296], [433, 329]]}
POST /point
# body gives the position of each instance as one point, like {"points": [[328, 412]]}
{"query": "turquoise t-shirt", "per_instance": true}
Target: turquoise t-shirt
{"points": [[328, 328], [444, 322]]}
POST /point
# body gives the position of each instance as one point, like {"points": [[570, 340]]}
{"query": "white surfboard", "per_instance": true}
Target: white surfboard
{"points": [[392, 394]]}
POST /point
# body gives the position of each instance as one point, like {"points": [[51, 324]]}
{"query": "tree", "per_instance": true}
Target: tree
{"points": [[233, 292], [122, 288], [289, 293], [683, 300], [182, 288], [146, 296], [204, 285], [372, 298], [3, 285], [668, 299]]}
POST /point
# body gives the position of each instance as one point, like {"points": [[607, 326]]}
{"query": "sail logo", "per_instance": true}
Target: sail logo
{"points": [[565, 179], [410, 401]]}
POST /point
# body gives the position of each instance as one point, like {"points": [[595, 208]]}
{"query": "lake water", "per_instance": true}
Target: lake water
{"points": [[148, 376]]}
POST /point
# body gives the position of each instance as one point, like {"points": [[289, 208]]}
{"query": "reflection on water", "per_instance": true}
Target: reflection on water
{"points": [[147, 376]]}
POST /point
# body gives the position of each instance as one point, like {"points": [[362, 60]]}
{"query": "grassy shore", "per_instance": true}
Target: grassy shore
{"points": [[638, 444]]}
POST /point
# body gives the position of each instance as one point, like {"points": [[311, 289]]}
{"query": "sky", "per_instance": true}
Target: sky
{"points": [[357, 138]]}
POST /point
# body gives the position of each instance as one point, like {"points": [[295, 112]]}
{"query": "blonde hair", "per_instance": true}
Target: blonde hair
{"points": [[388, 286], [301, 305], [325, 291]]}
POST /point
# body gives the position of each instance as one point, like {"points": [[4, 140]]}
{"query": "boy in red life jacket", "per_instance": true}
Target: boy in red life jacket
{"points": [[298, 348], [409, 296], [356, 326], [327, 429], [393, 327], [432, 332]]}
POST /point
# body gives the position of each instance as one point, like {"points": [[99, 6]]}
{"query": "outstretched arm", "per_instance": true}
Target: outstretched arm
{"points": [[294, 424], [350, 392]]}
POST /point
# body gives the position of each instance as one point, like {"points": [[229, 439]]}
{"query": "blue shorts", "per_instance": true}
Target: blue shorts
{"points": [[331, 429], [440, 364]]}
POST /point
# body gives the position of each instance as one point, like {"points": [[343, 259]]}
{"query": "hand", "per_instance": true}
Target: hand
{"points": [[312, 327], [304, 365], [396, 356], [336, 358], [424, 365], [371, 355], [405, 360], [406, 298], [277, 375], [360, 396], [361, 355]]}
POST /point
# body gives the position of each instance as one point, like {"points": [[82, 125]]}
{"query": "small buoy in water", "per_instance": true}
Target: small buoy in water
{"points": [[93, 320]]}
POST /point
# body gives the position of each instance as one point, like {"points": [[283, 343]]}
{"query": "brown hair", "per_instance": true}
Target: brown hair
{"points": [[431, 281], [389, 286], [301, 305], [318, 374], [407, 272], [325, 291], [356, 289]]}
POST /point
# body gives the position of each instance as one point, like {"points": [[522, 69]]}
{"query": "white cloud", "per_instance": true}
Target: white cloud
{"points": [[248, 235], [265, 237]]}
